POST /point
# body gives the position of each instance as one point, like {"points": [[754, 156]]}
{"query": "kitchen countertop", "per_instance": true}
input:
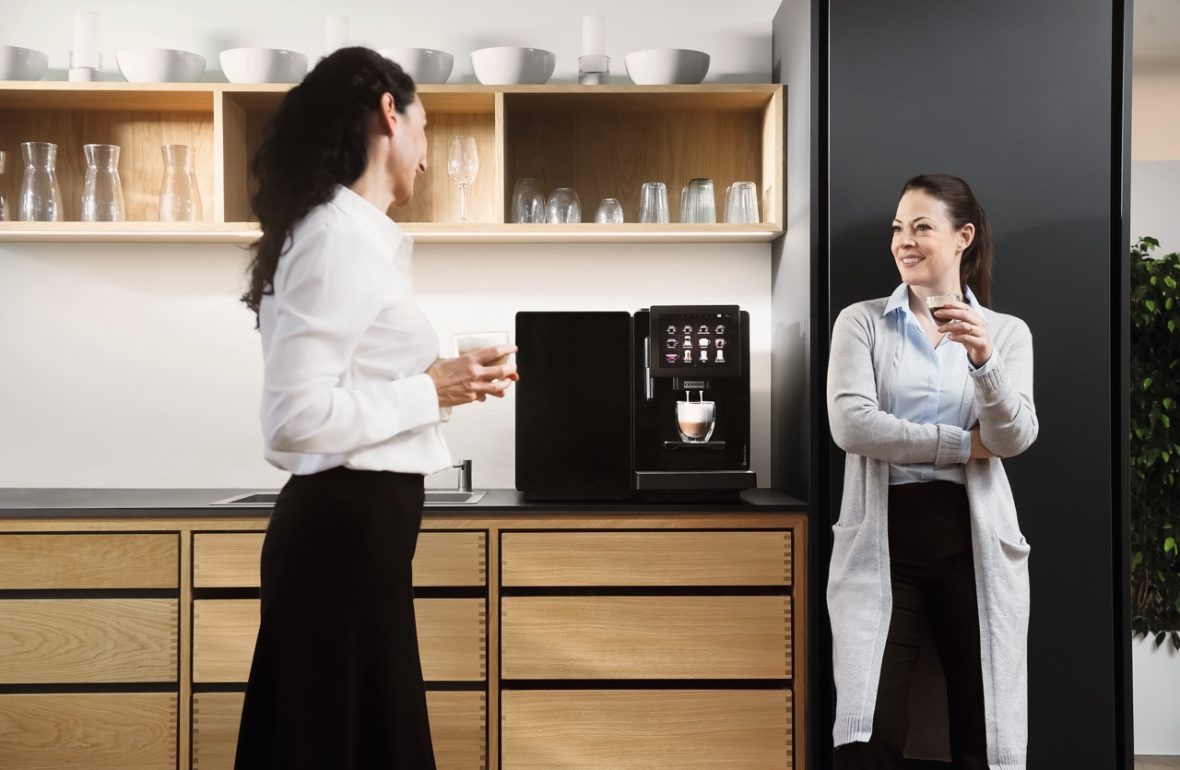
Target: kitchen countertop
{"points": [[33, 503]]}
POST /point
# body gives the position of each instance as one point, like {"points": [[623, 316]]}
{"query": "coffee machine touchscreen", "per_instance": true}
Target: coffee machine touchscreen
{"points": [[685, 340]]}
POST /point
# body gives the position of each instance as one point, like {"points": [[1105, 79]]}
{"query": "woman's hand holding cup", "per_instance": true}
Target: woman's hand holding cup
{"points": [[473, 376], [965, 327]]}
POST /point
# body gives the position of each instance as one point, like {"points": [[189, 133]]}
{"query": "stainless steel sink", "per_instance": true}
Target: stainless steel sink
{"points": [[433, 497]]}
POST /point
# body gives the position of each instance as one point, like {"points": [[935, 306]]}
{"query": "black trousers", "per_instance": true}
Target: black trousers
{"points": [[336, 683], [933, 581]]}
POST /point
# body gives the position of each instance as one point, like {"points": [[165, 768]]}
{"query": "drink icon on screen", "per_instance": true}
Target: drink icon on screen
{"points": [[720, 357], [671, 357], [687, 356]]}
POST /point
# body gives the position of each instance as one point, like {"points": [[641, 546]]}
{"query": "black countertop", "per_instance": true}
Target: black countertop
{"points": [[32, 503]]}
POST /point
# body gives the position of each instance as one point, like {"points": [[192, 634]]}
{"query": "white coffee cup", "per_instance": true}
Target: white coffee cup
{"points": [[465, 342]]}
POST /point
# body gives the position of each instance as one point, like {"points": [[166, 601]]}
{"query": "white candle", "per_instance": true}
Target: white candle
{"points": [[593, 35], [85, 31], [335, 32]]}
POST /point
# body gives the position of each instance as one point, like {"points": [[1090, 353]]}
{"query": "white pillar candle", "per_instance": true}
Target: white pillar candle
{"points": [[335, 32], [85, 31], [593, 35]]}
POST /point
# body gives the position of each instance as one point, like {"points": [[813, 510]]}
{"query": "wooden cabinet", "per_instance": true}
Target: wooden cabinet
{"points": [[602, 141], [623, 640]]}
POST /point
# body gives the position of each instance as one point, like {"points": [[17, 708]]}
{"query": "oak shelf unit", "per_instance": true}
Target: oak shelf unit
{"points": [[601, 140]]}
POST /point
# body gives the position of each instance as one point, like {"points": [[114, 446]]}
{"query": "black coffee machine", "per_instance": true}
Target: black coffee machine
{"points": [[651, 406]]}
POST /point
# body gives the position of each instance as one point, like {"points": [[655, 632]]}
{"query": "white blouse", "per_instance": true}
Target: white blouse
{"points": [[345, 349]]}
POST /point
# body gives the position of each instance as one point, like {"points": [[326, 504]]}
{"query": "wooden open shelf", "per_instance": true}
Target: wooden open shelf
{"points": [[601, 140]]}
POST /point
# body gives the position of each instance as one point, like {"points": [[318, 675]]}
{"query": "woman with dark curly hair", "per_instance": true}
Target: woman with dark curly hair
{"points": [[352, 399]]}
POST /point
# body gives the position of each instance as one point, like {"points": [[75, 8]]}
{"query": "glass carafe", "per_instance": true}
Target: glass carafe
{"points": [[180, 201], [3, 185], [102, 192], [40, 197]]}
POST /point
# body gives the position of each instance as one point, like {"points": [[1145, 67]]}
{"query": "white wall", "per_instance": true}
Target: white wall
{"points": [[136, 365], [1155, 202]]}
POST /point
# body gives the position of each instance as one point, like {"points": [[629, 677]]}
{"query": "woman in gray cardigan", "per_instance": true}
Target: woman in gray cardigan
{"points": [[928, 545]]}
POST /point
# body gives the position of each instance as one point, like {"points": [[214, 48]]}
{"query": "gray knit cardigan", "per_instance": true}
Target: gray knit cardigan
{"points": [[999, 397]]}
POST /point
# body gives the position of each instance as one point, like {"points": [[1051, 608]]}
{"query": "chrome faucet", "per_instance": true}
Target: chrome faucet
{"points": [[464, 468]]}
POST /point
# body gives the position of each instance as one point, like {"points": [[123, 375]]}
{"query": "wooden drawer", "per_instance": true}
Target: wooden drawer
{"points": [[88, 640], [646, 637], [643, 729], [96, 731], [646, 558], [454, 559], [451, 636], [457, 726], [89, 561]]}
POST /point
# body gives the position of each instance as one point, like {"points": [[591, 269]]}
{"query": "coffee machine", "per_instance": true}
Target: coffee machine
{"points": [[652, 406]]}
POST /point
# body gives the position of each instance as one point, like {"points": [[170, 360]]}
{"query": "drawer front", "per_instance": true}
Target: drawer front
{"points": [[452, 559], [96, 731], [89, 561], [88, 640], [457, 727], [646, 558], [451, 637], [642, 637], [643, 729]]}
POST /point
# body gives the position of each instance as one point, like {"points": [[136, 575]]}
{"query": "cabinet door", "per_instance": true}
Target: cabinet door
{"points": [[458, 727], [643, 729], [230, 560], [95, 731], [646, 637], [451, 636], [88, 640], [646, 558], [32, 561]]}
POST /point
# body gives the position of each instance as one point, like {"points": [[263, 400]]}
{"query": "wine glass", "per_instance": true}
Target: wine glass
{"points": [[462, 166]]}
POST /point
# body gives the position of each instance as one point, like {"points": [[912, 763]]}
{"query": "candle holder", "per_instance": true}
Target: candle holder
{"points": [[593, 70]]}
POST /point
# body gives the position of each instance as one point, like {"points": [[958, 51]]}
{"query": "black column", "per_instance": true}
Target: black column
{"points": [[1026, 100]]}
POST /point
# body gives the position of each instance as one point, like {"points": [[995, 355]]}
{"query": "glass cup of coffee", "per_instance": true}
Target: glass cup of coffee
{"points": [[695, 420], [466, 342], [938, 302]]}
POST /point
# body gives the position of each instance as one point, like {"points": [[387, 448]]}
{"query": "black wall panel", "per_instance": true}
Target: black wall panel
{"points": [[1025, 101]]}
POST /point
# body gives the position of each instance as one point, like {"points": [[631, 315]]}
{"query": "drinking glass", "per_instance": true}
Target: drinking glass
{"points": [[653, 203], [564, 207], [695, 421], [938, 301], [40, 197], [180, 200], [465, 342], [699, 206], [3, 184], [102, 190], [610, 212], [462, 166], [741, 203], [528, 203]]}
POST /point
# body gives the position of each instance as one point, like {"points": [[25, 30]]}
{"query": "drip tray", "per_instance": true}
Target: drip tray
{"points": [[433, 497]]}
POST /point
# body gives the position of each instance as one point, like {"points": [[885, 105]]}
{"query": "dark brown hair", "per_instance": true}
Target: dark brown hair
{"points": [[316, 140], [975, 270]]}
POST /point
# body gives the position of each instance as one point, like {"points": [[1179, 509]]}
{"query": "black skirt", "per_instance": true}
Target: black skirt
{"points": [[336, 682]]}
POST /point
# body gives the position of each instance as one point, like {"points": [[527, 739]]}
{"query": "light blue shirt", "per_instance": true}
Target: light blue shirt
{"points": [[928, 384]]}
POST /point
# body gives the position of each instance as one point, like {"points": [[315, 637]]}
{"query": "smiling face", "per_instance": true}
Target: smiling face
{"points": [[927, 247], [408, 158]]}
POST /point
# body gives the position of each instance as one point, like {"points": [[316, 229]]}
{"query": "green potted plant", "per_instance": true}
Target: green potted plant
{"points": [[1155, 443]]}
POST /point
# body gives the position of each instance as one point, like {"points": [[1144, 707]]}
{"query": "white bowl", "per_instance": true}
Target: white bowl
{"points": [[22, 63], [160, 65], [263, 65], [424, 65], [666, 66], [509, 65]]}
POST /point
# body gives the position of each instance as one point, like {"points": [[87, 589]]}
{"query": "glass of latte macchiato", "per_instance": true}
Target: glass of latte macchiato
{"points": [[695, 420], [469, 341]]}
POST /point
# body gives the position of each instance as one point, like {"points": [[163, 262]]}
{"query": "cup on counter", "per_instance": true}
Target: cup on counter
{"points": [[653, 203], [741, 203], [528, 202], [465, 342]]}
